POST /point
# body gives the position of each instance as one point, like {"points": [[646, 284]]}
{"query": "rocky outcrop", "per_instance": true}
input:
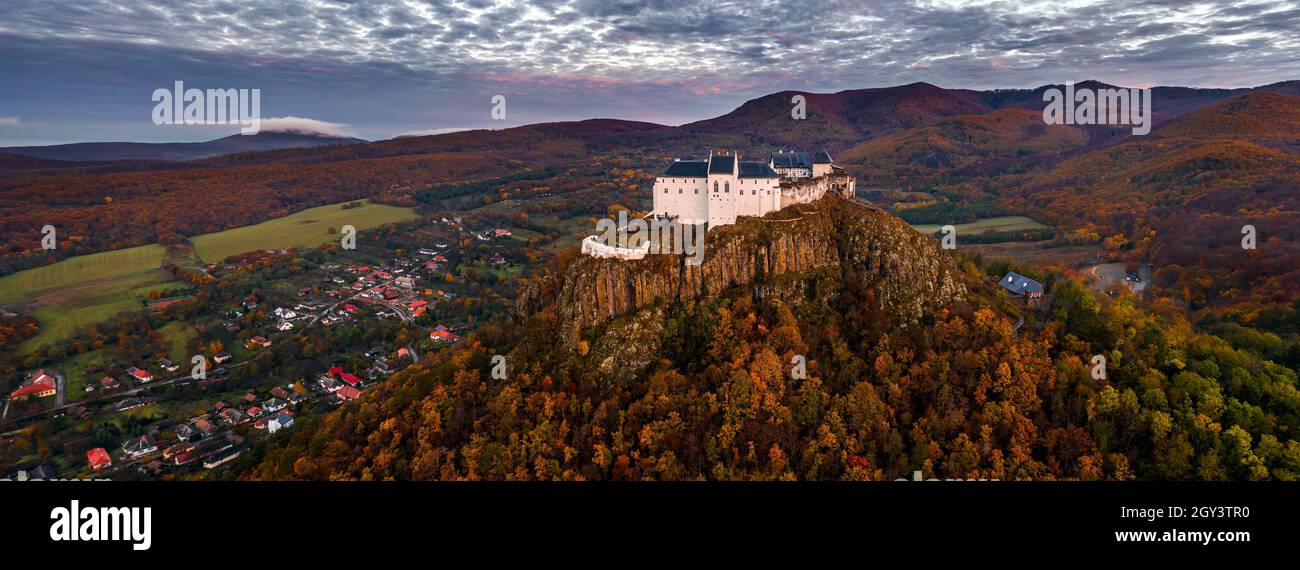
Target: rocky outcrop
{"points": [[782, 254]]}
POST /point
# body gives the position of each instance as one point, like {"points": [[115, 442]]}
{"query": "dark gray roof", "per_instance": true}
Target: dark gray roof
{"points": [[688, 168], [792, 160], [721, 164], [1019, 284], [283, 419], [756, 170], [822, 157]]}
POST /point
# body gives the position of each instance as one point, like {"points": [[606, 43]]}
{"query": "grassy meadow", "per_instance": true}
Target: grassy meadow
{"points": [[308, 228], [88, 289], [998, 224]]}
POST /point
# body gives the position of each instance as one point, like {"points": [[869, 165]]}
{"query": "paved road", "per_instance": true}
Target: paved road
{"points": [[111, 398]]}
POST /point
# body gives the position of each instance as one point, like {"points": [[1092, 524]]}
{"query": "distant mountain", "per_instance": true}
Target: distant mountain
{"points": [[838, 120], [14, 162], [959, 144], [113, 151]]}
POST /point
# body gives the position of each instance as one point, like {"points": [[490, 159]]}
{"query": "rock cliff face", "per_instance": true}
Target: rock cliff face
{"points": [[799, 254]]}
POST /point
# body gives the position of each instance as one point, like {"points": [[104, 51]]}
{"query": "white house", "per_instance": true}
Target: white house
{"points": [[279, 422]]}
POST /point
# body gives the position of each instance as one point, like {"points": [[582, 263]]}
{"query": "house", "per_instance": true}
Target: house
{"points": [[182, 447], [39, 384], [350, 380], [283, 325], [99, 458], [442, 335], [41, 472], [221, 357], [183, 457], [185, 432], [348, 393], [205, 426], [260, 423], [406, 282], [274, 405], [232, 416], [255, 411], [280, 393], [497, 259], [108, 383], [250, 398], [279, 422], [143, 445], [502, 232], [221, 457], [403, 353], [140, 374], [168, 365], [261, 341], [330, 385], [1023, 286], [217, 407]]}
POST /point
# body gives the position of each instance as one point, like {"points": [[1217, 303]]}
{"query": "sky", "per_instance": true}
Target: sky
{"points": [[85, 70]]}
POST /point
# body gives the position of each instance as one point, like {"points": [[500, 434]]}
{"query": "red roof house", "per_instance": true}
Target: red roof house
{"points": [[99, 458], [347, 393], [42, 385]]}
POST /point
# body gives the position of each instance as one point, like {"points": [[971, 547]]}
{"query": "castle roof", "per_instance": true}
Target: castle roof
{"points": [[792, 160], [822, 157], [688, 168], [722, 164], [756, 170]]}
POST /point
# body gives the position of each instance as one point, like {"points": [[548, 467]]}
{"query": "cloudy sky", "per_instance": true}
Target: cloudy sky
{"points": [[84, 70]]}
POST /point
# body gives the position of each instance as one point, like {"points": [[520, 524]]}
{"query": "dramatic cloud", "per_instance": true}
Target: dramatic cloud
{"points": [[392, 66], [302, 126]]}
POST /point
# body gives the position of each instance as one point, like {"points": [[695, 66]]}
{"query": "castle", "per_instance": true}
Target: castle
{"points": [[723, 187], [696, 195]]}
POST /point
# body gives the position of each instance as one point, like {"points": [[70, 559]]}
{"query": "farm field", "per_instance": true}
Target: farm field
{"points": [[88, 289], [81, 271], [308, 228], [998, 224]]}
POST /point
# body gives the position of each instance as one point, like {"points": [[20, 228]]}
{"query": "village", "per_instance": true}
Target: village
{"points": [[335, 294]]}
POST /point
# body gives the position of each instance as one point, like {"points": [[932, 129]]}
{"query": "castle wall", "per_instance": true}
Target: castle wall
{"points": [[805, 190], [686, 198], [591, 246], [757, 196]]}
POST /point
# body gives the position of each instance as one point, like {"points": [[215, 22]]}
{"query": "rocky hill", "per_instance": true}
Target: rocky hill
{"points": [[805, 253]]}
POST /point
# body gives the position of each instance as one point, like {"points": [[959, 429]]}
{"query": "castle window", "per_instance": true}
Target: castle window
{"points": [[715, 185], [726, 187], [679, 190]]}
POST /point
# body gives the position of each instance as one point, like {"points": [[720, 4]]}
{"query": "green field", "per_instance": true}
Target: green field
{"points": [[88, 289], [308, 228], [999, 224], [81, 270]]}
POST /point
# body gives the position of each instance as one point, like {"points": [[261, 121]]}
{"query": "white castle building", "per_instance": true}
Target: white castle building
{"points": [[723, 187], [704, 194]]}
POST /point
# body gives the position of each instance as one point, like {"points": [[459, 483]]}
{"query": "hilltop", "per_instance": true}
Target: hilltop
{"points": [[838, 345]]}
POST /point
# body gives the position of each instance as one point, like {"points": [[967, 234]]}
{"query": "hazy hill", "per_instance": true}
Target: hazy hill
{"points": [[111, 151]]}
